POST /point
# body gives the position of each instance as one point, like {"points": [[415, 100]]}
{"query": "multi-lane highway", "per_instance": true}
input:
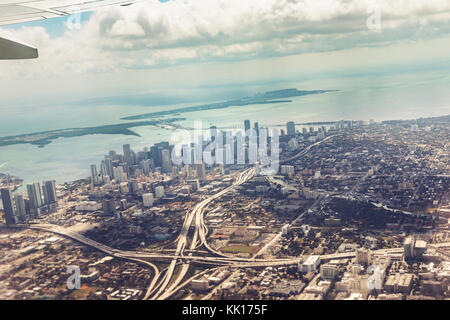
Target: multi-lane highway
{"points": [[201, 230], [198, 239], [154, 289], [167, 283]]}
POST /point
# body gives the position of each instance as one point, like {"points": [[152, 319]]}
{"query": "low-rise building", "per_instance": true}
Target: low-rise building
{"points": [[310, 264]]}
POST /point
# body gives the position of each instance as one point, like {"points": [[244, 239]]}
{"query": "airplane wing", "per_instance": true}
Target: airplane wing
{"points": [[17, 11], [15, 49]]}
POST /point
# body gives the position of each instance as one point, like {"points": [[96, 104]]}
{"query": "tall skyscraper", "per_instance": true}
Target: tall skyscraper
{"points": [[291, 128], [213, 132], [50, 191], [94, 174], [145, 166], [21, 211], [408, 247], [8, 206], [246, 125], [166, 162], [127, 155], [109, 166], [256, 127], [35, 196]]}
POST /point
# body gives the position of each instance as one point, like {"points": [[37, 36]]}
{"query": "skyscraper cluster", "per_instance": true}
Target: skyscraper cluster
{"points": [[133, 171], [40, 201]]}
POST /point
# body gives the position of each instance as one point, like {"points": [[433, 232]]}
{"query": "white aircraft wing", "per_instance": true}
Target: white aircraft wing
{"points": [[17, 11]]}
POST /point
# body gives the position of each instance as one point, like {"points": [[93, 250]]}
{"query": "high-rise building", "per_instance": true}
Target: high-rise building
{"points": [[246, 125], [127, 154], [119, 175], [291, 128], [156, 152], [49, 189], [145, 166], [159, 192], [133, 187], [148, 199], [408, 247], [94, 174], [8, 206], [220, 156], [108, 166], [256, 127], [109, 207], [213, 132], [337, 126], [35, 196], [201, 171], [166, 161], [21, 210]]}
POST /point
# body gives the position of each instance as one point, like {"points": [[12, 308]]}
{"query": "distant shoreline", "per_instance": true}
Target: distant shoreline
{"points": [[43, 138], [269, 97]]}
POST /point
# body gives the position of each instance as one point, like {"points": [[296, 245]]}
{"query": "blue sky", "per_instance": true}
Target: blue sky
{"points": [[55, 27]]}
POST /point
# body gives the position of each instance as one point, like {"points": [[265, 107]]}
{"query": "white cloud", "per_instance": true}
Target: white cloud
{"points": [[154, 34]]}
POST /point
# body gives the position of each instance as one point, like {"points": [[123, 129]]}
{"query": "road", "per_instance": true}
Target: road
{"points": [[167, 285], [201, 230], [162, 287], [199, 235]]}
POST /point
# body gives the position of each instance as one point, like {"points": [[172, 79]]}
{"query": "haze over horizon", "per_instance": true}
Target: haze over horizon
{"points": [[152, 47]]}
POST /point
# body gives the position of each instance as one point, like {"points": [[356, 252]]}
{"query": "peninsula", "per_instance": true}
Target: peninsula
{"points": [[43, 138], [278, 96]]}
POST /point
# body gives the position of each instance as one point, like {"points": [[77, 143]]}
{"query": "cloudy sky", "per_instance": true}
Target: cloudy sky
{"points": [[154, 44]]}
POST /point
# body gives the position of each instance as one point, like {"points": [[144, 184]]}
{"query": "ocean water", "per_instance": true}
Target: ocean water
{"points": [[379, 96]]}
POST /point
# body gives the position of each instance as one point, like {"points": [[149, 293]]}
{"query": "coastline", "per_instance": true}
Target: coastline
{"points": [[41, 139]]}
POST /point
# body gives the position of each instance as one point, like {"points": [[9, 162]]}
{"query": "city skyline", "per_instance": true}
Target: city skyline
{"points": [[126, 186], [244, 152]]}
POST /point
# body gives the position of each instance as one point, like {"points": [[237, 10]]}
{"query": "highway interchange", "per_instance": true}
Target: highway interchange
{"points": [[168, 281]]}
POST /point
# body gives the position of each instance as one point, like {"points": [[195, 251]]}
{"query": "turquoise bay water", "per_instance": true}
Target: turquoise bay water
{"points": [[406, 95]]}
